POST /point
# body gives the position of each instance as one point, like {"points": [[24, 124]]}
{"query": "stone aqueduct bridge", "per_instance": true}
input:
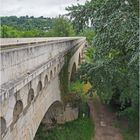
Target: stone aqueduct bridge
{"points": [[30, 81]]}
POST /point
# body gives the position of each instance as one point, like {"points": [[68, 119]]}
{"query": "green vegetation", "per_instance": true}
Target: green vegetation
{"points": [[35, 27], [112, 66], [81, 129], [128, 134], [28, 23], [63, 27], [8, 32], [63, 76], [89, 34]]}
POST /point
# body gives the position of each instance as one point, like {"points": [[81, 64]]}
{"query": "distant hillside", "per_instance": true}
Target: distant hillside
{"points": [[28, 23], [35, 27]]}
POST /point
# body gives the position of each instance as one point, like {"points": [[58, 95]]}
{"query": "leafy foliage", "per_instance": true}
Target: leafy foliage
{"points": [[81, 15], [112, 66], [6, 31], [11, 32], [63, 27], [77, 87], [88, 33], [28, 23], [35, 27]]}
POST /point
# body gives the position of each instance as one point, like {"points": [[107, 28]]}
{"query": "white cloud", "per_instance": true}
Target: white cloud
{"points": [[47, 8]]}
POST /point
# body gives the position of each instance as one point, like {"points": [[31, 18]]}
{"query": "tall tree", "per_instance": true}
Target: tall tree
{"points": [[113, 65], [82, 15], [63, 27]]}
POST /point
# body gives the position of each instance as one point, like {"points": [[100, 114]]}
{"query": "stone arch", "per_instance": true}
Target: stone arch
{"points": [[18, 108], [3, 125], [51, 74], [46, 118], [39, 87], [79, 59], [54, 105], [30, 96], [73, 72], [46, 80], [53, 113]]}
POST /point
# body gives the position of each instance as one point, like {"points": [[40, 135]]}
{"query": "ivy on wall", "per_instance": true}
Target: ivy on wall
{"points": [[63, 77], [66, 96]]}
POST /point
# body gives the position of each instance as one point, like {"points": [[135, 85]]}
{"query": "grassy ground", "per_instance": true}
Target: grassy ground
{"points": [[129, 135], [128, 132], [81, 129]]}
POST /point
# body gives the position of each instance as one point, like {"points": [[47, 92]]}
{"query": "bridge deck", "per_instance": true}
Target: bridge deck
{"points": [[6, 43]]}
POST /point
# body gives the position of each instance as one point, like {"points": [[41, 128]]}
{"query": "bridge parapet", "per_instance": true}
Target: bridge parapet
{"points": [[26, 56], [26, 65], [21, 64]]}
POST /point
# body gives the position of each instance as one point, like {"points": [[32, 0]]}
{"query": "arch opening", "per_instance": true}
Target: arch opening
{"points": [[51, 74], [39, 87], [30, 96], [58, 66], [73, 73], [46, 80], [52, 114], [3, 125], [79, 59], [18, 108], [51, 117]]}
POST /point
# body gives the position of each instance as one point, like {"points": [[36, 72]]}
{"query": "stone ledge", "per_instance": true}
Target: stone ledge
{"points": [[20, 82], [15, 42]]}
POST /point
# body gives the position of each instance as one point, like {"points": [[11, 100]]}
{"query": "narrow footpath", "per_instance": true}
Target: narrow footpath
{"points": [[104, 121]]}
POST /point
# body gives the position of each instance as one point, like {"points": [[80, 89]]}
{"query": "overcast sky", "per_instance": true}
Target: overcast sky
{"points": [[47, 8]]}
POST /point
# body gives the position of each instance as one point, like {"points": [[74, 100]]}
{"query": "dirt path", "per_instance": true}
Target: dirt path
{"points": [[104, 121]]}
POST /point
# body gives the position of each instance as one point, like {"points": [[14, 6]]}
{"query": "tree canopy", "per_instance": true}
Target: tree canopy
{"points": [[113, 66], [28, 23], [63, 27], [35, 27]]}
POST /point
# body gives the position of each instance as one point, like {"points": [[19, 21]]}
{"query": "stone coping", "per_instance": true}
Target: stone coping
{"points": [[14, 42]]}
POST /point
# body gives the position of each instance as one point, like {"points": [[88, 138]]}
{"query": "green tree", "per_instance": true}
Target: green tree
{"points": [[28, 23], [7, 31], [81, 15], [26, 26], [63, 27], [89, 34], [113, 66]]}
